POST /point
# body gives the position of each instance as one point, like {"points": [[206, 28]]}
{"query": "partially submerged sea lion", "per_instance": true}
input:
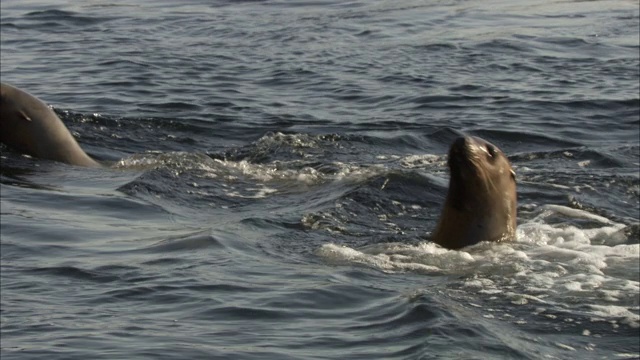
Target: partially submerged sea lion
{"points": [[481, 202], [28, 125]]}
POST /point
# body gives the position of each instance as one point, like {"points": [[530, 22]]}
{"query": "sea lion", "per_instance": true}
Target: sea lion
{"points": [[481, 201], [28, 125]]}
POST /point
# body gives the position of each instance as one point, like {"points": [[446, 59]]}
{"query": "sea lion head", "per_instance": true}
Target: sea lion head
{"points": [[481, 201], [28, 125], [15, 124]]}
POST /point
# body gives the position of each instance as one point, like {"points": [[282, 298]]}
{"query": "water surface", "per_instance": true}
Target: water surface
{"points": [[276, 168]]}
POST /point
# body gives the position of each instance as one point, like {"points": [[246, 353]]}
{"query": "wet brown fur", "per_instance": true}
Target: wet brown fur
{"points": [[28, 125], [481, 203]]}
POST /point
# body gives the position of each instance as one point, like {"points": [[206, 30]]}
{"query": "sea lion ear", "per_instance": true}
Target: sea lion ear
{"points": [[513, 174], [24, 116]]}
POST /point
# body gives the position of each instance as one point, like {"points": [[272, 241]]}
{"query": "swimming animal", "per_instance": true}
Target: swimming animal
{"points": [[28, 125], [481, 202]]}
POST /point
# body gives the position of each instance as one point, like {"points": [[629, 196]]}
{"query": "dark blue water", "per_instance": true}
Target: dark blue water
{"points": [[276, 168]]}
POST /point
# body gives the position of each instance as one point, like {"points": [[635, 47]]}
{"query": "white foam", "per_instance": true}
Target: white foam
{"points": [[555, 266], [574, 213], [421, 161], [252, 193], [271, 176], [389, 263], [278, 139]]}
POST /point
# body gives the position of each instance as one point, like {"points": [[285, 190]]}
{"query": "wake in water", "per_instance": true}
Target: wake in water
{"points": [[559, 268], [567, 268], [566, 264]]}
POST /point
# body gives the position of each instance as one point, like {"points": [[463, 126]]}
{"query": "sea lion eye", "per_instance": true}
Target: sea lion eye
{"points": [[491, 150]]}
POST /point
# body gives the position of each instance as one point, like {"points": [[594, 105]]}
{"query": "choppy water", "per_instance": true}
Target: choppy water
{"points": [[277, 167]]}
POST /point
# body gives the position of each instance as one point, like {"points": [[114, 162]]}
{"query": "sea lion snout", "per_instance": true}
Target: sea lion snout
{"points": [[464, 155], [473, 146], [461, 143]]}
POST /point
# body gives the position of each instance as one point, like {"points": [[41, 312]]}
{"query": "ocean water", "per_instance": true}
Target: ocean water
{"points": [[275, 169]]}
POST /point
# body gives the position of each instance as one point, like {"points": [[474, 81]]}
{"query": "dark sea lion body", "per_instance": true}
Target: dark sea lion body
{"points": [[481, 203], [28, 125]]}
